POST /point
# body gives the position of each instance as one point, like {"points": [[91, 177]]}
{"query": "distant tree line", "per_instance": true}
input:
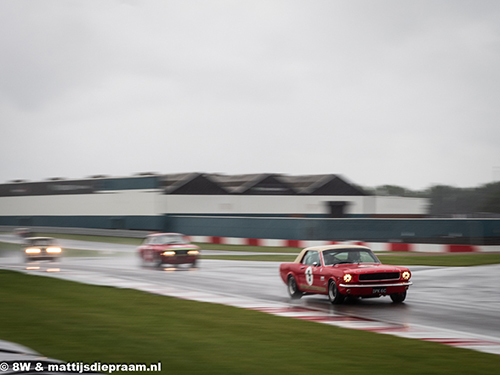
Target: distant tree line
{"points": [[449, 201]]}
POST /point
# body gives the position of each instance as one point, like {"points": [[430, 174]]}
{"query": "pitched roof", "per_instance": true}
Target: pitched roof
{"points": [[322, 184], [253, 184], [190, 183]]}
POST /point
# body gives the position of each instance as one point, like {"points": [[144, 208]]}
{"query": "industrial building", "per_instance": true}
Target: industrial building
{"points": [[142, 202]]}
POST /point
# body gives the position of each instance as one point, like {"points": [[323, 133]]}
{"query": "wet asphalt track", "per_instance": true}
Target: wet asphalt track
{"points": [[464, 299]]}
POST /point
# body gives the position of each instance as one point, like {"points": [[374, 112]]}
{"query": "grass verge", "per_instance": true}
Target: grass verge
{"points": [[418, 259], [445, 260], [7, 246], [255, 249], [82, 237], [256, 258], [77, 322]]}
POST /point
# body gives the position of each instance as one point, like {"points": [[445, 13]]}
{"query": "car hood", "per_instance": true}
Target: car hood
{"points": [[12, 347], [12, 353], [186, 246]]}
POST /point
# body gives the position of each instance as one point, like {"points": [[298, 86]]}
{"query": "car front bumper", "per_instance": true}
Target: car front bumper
{"points": [[374, 289], [179, 259], [31, 257]]}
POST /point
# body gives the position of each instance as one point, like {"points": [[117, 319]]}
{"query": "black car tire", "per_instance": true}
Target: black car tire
{"points": [[158, 261], [398, 297], [334, 295], [293, 289]]}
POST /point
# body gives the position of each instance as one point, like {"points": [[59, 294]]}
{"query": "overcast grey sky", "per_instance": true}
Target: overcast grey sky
{"points": [[381, 92]]}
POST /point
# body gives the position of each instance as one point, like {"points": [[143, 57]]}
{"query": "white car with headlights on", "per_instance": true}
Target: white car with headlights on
{"points": [[41, 248]]}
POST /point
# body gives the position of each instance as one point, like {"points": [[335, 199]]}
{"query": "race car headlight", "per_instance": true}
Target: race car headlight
{"points": [[406, 275], [168, 253], [32, 250], [193, 252], [347, 277], [54, 250]]}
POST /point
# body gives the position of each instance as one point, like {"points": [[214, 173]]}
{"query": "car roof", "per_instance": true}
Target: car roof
{"points": [[165, 234], [336, 247], [39, 238]]}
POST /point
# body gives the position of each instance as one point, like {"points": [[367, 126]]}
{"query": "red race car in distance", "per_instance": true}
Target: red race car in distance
{"points": [[341, 271], [168, 248]]}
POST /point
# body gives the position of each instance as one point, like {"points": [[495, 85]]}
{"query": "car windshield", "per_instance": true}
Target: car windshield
{"points": [[345, 256], [170, 239]]}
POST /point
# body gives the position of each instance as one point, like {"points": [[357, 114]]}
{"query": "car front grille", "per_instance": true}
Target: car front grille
{"points": [[379, 276], [181, 252]]}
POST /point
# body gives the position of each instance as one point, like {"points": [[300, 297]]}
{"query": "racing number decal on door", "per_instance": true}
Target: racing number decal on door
{"points": [[309, 275]]}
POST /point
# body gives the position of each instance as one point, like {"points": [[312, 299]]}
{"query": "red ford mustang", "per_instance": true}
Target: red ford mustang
{"points": [[168, 248], [344, 270]]}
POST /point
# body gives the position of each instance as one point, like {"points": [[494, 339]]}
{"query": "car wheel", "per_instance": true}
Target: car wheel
{"points": [[334, 295], [398, 297], [293, 289], [158, 261]]}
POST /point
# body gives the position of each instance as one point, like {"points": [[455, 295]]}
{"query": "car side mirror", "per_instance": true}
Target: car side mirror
{"points": [[315, 264]]}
